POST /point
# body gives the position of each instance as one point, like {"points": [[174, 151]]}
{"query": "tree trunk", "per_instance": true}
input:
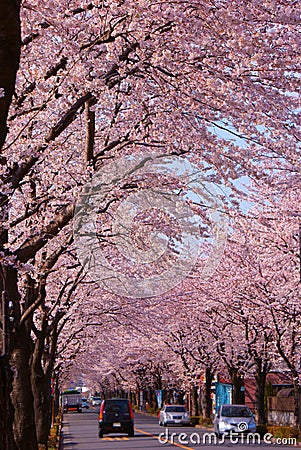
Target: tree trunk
{"points": [[42, 404], [296, 403], [56, 396], [7, 441], [237, 381], [20, 349], [260, 378], [10, 44], [194, 401], [207, 397], [41, 384], [22, 399]]}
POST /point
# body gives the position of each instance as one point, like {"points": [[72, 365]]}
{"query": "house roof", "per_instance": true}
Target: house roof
{"points": [[279, 379]]}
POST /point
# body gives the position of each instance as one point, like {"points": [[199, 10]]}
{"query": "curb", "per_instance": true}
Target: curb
{"points": [[145, 413], [65, 444], [203, 427]]}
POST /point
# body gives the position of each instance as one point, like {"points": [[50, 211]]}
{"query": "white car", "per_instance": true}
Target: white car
{"points": [[174, 415], [234, 419], [96, 401]]}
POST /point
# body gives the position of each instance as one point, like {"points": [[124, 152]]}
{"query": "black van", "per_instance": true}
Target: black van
{"points": [[116, 416]]}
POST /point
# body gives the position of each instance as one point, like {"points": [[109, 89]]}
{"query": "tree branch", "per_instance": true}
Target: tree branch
{"points": [[31, 246]]}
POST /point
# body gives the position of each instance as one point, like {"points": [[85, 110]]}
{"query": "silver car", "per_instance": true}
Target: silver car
{"points": [[85, 403], [234, 419], [174, 415], [96, 401]]}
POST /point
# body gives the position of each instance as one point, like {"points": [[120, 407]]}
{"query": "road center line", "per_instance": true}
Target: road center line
{"points": [[168, 442]]}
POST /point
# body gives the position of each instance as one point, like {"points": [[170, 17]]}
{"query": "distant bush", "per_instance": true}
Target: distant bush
{"points": [[282, 432], [200, 420], [194, 420], [54, 437], [151, 410], [206, 421]]}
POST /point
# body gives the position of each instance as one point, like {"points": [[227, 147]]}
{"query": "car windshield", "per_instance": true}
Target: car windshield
{"points": [[236, 411], [176, 409]]}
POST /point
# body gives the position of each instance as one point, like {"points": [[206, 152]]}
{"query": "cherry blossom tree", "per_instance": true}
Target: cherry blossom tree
{"points": [[259, 274], [213, 81]]}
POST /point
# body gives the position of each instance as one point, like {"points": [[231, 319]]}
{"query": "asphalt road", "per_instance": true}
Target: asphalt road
{"points": [[80, 432]]}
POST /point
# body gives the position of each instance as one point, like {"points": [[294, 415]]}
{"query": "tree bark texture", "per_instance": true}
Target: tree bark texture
{"points": [[194, 401], [237, 381], [10, 44], [7, 441], [22, 398], [42, 403], [260, 378], [207, 397]]}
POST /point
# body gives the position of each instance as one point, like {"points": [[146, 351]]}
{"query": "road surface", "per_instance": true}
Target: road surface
{"points": [[80, 432]]}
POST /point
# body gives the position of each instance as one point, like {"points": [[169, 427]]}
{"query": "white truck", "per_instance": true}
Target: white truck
{"points": [[71, 400]]}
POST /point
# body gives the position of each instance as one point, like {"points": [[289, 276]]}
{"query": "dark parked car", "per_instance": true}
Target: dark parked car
{"points": [[116, 416]]}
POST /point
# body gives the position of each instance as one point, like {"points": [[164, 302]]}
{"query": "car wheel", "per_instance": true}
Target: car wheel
{"points": [[164, 424], [100, 434], [131, 433]]}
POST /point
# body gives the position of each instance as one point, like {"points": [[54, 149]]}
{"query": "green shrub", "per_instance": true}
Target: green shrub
{"points": [[153, 411], [206, 421], [54, 437], [194, 420], [277, 431], [283, 432], [199, 420]]}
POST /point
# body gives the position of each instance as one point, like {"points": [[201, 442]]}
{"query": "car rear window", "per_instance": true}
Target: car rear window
{"points": [[236, 411], [116, 406], [177, 409]]}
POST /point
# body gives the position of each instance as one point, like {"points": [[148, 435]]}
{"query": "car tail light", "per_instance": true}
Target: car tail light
{"points": [[101, 411], [131, 411]]}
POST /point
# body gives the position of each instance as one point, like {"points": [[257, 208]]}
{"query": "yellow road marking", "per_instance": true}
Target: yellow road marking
{"points": [[115, 439], [167, 442]]}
